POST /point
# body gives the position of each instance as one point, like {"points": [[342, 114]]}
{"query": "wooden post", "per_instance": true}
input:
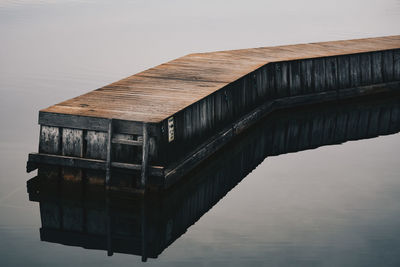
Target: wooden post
{"points": [[145, 156], [108, 160]]}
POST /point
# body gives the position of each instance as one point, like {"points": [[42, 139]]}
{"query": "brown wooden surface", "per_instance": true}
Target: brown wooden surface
{"points": [[157, 93]]}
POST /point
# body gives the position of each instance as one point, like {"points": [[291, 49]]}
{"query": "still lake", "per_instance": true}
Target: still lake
{"points": [[336, 205]]}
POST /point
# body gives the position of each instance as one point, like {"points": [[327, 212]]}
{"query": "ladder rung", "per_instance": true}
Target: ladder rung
{"points": [[127, 142], [126, 165]]}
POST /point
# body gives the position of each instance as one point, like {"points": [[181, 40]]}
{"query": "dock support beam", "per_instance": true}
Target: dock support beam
{"points": [[145, 156], [108, 160]]}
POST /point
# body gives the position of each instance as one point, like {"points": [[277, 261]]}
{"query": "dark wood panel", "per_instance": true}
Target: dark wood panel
{"points": [[181, 150], [343, 71], [331, 67], [355, 71], [50, 140], [295, 77], [377, 67], [307, 77], [388, 69], [73, 122], [396, 64], [366, 68], [319, 74], [72, 142]]}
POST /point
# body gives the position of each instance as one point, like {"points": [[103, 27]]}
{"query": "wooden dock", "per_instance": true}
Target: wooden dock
{"points": [[161, 123], [77, 213]]}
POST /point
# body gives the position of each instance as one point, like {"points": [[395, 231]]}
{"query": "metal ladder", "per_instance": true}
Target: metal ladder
{"points": [[144, 143]]}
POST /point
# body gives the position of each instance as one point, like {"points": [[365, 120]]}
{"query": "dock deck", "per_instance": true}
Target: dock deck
{"points": [[165, 120], [160, 92]]}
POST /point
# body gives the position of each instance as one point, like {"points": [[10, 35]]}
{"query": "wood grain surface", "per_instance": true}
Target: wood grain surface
{"points": [[157, 93]]}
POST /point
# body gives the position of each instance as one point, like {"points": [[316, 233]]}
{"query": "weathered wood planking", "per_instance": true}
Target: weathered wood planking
{"points": [[206, 95], [160, 92], [299, 129]]}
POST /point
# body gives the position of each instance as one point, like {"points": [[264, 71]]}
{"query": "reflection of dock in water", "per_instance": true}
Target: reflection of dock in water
{"points": [[77, 213]]}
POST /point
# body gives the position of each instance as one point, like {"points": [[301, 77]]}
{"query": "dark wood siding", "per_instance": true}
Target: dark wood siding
{"points": [[198, 122]]}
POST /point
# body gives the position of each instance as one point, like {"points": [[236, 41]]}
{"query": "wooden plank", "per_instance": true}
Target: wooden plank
{"points": [[396, 64], [124, 165], [270, 70], [388, 71], [247, 120], [92, 123], [295, 77], [50, 140], [307, 83], [367, 90], [73, 122], [72, 142], [366, 68], [158, 93], [127, 142], [281, 79], [343, 72], [331, 72], [127, 127], [145, 157], [59, 160], [173, 173], [108, 156], [84, 163], [96, 145], [377, 67], [355, 70], [319, 74]]}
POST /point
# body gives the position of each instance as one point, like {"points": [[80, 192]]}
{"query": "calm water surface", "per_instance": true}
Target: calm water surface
{"points": [[332, 206]]}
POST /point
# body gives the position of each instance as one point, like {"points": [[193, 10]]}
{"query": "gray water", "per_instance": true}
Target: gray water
{"points": [[331, 206]]}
